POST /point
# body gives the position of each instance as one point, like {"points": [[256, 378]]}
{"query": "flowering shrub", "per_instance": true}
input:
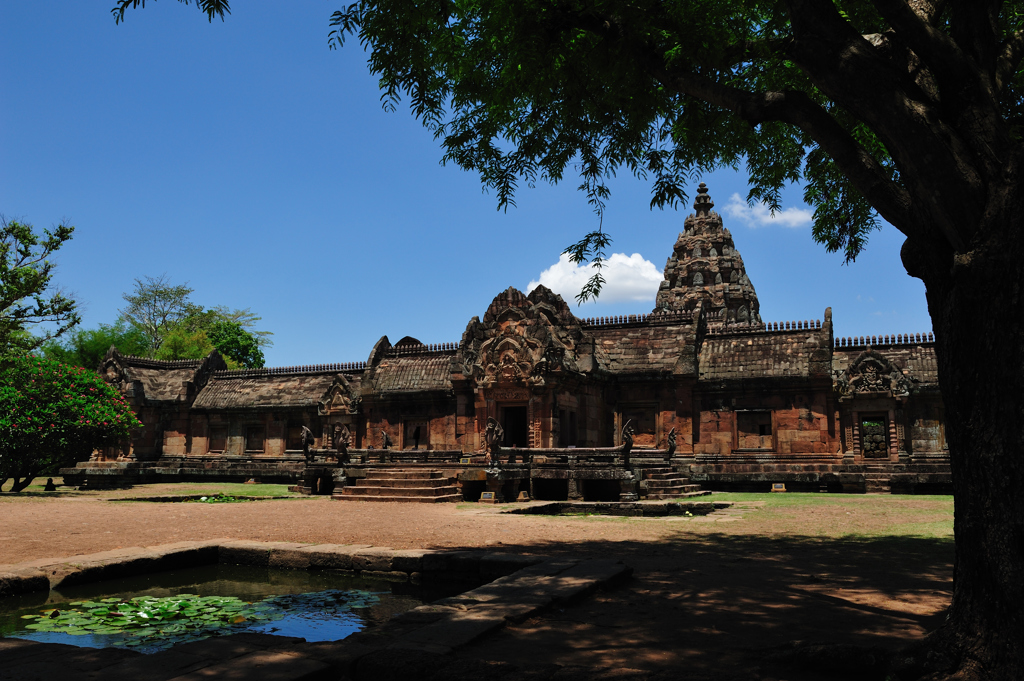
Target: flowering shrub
{"points": [[54, 415]]}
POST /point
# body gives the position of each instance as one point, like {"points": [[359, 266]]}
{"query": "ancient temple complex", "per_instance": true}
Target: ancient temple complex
{"points": [[701, 388]]}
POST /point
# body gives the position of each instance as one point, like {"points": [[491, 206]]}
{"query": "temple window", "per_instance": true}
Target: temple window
{"points": [[567, 425], [294, 440], [218, 438], [254, 438], [416, 435], [754, 430]]}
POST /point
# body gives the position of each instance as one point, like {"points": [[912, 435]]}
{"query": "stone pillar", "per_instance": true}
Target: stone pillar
{"points": [[495, 481], [574, 493], [627, 489]]}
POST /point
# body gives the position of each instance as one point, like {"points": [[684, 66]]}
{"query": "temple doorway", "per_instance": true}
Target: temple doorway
{"points": [[874, 437], [516, 425]]}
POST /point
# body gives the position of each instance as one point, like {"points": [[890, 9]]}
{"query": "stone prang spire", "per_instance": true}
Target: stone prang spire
{"points": [[705, 266]]}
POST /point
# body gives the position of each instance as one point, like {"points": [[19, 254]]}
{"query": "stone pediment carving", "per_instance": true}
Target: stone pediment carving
{"points": [[522, 340], [339, 398], [871, 373]]}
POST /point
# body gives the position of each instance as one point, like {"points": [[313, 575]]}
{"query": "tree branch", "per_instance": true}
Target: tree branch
{"points": [[944, 58], [1009, 60]]}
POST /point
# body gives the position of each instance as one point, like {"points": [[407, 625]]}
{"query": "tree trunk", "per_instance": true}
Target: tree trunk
{"points": [[3, 481], [21, 483], [976, 309]]}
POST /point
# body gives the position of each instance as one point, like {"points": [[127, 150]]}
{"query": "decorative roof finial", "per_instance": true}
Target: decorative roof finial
{"points": [[703, 203]]}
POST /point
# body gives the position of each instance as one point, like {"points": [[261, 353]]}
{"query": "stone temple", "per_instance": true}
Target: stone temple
{"points": [[701, 388]]}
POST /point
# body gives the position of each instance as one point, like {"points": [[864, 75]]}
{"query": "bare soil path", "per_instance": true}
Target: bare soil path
{"points": [[709, 594]]}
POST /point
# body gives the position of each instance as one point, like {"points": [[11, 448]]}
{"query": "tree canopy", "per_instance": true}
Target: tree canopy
{"points": [[53, 415], [31, 313], [866, 103], [177, 328]]}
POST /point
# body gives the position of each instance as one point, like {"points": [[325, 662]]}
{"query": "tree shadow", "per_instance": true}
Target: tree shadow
{"points": [[719, 604]]}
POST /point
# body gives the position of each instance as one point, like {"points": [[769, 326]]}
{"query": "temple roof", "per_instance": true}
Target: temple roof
{"points": [[705, 266], [246, 390], [160, 381], [781, 354], [413, 374], [639, 349]]}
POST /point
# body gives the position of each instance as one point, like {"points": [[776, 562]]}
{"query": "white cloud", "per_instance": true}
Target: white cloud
{"points": [[627, 278], [759, 214]]}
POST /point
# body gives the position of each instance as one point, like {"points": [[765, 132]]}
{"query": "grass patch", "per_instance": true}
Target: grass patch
{"points": [[211, 489]]}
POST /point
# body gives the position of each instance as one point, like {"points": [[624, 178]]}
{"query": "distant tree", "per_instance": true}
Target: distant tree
{"points": [[177, 328], [236, 343], [53, 415], [184, 343], [87, 347], [155, 307], [30, 313]]}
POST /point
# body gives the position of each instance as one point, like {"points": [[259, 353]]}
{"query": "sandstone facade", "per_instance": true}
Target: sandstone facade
{"points": [[747, 399]]}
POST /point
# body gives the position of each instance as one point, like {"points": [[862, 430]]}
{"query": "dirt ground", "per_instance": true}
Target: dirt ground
{"points": [[710, 595]]}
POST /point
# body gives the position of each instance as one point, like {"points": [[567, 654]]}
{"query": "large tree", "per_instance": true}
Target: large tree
{"points": [[905, 110], [31, 311], [54, 415]]}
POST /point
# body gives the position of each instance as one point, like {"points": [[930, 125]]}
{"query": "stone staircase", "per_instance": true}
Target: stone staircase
{"points": [[422, 486], [665, 483], [876, 478]]}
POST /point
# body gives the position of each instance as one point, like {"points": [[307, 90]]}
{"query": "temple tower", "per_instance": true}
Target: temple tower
{"points": [[705, 266]]}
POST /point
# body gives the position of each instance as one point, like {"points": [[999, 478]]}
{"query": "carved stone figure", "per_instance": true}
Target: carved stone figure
{"points": [[671, 444], [627, 440], [307, 439], [493, 436], [342, 441], [385, 439], [698, 279]]}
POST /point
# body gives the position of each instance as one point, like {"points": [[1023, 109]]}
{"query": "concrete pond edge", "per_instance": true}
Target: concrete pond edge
{"points": [[503, 588]]}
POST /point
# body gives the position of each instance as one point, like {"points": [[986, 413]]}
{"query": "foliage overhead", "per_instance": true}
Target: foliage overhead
{"points": [[210, 8], [26, 300], [53, 415], [850, 98]]}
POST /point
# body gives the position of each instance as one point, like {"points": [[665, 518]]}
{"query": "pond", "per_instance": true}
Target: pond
{"points": [[154, 612]]}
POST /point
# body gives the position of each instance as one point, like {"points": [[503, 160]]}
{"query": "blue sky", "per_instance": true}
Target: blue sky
{"points": [[248, 160]]}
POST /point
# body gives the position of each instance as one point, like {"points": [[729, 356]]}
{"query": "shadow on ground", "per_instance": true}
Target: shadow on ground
{"points": [[719, 605]]}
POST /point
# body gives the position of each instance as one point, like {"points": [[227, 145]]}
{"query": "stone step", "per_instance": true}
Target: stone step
{"points": [[660, 475], [405, 474], [422, 500], [685, 495], [676, 489], [399, 491], [678, 480], [403, 482]]}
